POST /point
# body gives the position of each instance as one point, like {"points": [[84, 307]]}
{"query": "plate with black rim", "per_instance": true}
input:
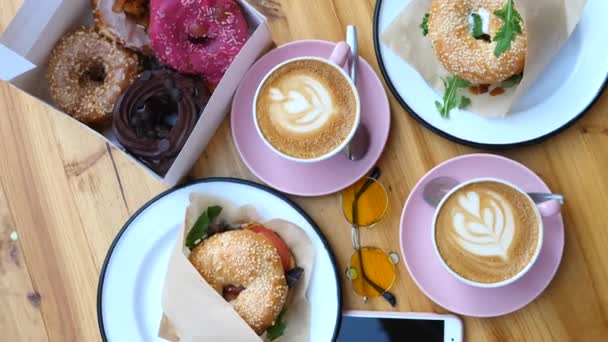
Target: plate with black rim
{"points": [[133, 273], [567, 88]]}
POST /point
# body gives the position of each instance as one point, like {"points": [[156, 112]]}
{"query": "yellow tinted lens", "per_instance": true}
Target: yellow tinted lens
{"points": [[371, 205], [378, 268]]}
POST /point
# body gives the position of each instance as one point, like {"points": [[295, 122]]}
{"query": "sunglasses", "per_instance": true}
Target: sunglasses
{"points": [[371, 270]]}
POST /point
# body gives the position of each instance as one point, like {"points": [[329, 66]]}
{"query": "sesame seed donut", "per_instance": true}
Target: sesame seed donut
{"points": [[197, 36], [87, 73], [465, 56], [249, 261]]}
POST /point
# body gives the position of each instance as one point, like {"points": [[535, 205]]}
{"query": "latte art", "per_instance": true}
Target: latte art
{"points": [[306, 109], [484, 231], [487, 231], [301, 104]]}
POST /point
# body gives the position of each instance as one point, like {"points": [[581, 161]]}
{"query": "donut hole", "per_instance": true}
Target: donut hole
{"points": [[94, 72], [198, 34], [155, 116], [200, 41]]}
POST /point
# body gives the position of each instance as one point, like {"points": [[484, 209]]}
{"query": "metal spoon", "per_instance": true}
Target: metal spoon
{"points": [[434, 191], [359, 144]]}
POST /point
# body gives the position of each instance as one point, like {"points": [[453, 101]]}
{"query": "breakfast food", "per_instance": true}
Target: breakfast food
{"points": [[248, 264], [124, 21], [198, 36], [479, 55], [245, 265], [155, 116], [306, 108], [90, 70], [487, 232], [87, 73]]}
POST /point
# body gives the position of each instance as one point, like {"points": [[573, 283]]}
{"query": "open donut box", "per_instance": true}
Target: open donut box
{"points": [[29, 38]]}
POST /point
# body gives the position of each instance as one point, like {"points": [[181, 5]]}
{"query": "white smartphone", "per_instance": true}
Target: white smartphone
{"points": [[375, 326]]}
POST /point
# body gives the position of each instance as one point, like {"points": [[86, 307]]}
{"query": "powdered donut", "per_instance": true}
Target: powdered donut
{"points": [[197, 36], [87, 73], [469, 58]]}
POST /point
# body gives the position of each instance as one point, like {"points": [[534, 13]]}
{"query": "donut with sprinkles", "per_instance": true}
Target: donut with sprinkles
{"points": [[87, 73], [197, 36]]}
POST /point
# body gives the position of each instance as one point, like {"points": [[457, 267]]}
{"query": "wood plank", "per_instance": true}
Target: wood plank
{"points": [[97, 185], [20, 317], [50, 229]]}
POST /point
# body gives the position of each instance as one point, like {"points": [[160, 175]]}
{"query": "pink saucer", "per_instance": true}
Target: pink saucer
{"points": [[316, 179], [443, 288]]}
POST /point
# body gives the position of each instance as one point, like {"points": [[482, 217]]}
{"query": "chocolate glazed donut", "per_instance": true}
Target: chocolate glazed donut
{"points": [[154, 117]]}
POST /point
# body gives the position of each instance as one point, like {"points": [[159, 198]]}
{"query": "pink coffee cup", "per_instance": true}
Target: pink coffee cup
{"points": [[541, 210], [337, 59]]}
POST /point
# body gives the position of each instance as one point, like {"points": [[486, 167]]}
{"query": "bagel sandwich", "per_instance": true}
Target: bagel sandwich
{"points": [[249, 265], [479, 41]]}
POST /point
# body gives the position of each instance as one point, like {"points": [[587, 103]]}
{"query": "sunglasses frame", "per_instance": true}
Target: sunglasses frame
{"points": [[377, 288], [356, 238]]}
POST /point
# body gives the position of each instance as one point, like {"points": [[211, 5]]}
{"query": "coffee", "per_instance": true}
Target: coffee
{"points": [[487, 232], [306, 109]]}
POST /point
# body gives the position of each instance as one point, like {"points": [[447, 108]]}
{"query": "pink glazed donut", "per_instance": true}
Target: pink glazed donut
{"points": [[197, 36]]}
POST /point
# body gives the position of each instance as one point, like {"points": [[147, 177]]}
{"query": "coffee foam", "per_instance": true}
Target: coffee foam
{"points": [[487, 232], [306, 109], [301, 104]]}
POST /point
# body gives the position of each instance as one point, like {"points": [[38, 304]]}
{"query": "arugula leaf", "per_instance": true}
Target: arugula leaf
{"points": [[511, 81], [512, 26], [199, 230], [213, 212], [278, 329], [424, 26], [462, 102], [451, 99], [477, 26]]}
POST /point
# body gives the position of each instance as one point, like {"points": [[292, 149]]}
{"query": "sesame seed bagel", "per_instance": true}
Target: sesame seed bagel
{"points": [[469, 58], [245, 259], [87, 73]]}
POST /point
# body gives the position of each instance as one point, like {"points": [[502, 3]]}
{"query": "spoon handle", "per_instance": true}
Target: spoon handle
{"points": [[351, 39], [539, 197]]}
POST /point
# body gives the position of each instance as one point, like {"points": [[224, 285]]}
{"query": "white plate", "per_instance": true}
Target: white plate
{"points": [[566, 89], [132, 277]]}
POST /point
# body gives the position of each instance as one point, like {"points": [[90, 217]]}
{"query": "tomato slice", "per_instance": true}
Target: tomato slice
{"points": [[277, 242]]}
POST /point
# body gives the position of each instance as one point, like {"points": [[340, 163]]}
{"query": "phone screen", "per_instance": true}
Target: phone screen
{"points": [[373, 329]]}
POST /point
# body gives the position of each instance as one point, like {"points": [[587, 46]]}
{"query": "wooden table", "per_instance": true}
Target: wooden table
{"points": [[66, 194]]}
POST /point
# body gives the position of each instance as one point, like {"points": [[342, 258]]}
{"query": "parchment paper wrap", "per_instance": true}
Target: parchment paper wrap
{"points": [[549, 23], [193, 311]]}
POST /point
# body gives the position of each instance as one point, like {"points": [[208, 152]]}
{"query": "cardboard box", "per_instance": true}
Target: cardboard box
{"points": [[38, 25]]}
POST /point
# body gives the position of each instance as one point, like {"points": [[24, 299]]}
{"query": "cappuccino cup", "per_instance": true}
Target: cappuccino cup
{"points": [[307, 109], [488, 232]]}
